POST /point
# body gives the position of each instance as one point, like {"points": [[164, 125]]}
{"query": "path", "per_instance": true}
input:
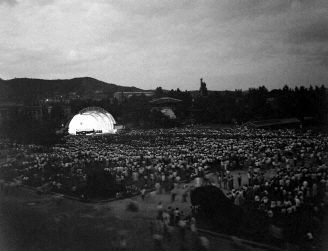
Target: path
{"points": [[30, 222]]}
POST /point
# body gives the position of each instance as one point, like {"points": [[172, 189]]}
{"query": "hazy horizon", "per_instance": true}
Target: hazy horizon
{"points": [[231, 44], [197, 89]]}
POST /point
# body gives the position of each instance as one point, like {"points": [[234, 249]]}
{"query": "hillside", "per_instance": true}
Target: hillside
{"points": [[27, 89]]}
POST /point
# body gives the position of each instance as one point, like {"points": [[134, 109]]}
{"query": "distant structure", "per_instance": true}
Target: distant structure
{"points": [[66, 112], [121, 96], [66, 98], [203, 89], [166, 105], [10, 110]]}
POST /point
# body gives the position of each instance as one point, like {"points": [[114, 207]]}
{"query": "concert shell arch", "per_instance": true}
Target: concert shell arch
{"points": [[92, 119]]}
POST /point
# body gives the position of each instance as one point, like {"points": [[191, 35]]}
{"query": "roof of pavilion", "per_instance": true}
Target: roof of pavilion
{"points": [[165, 100]]}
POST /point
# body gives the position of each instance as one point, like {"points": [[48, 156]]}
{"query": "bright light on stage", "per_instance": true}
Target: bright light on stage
{"points": [[92, 120]]}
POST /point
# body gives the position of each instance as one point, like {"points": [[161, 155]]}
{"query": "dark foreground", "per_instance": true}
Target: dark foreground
{"points": [[29, 222], [32, 222]]}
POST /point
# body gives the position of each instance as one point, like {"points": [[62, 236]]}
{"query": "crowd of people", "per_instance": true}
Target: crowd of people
{"points": [[162, 157], [170, 223]]}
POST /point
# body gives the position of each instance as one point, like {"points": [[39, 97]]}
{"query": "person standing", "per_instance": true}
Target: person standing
{"points": [[204, 243], [182, 229], [173, 194], [219, 178], [239, 179], [193, 225], [225, 181], [158, 237], [122, 243], [158, 188], [171, 213], [185, 195], [160, 211], [176, 216], [249, 176], [143, 194], [237, 198], [230, 182], [166, 225]]}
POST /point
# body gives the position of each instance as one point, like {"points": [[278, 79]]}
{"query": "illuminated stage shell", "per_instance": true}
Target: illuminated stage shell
{"points": [[92, 119]]}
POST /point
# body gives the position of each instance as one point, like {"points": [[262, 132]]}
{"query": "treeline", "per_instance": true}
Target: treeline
{"points": [[226, 107], [21, 128], [222, 107]]}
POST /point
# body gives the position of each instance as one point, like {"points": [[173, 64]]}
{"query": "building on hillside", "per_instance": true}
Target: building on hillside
{"points": [[166, 105], [273, 103], [57, 98], [9, 110], [97, 95], [73, 96], [34, 112], [121, 96], [67, 112], [273, 124], [66, 98]]}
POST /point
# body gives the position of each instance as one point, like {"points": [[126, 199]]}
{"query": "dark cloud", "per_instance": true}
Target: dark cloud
{"points": [[44, 2], [149, 9], [321, 57], [9, 2], [38, 2], [317, 55], [260, 7], [228, 10], [309, 42], [324, 59], [316, 32]]}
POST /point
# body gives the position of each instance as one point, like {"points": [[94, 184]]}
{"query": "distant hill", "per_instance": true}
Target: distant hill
{"points": [[28, 90]]}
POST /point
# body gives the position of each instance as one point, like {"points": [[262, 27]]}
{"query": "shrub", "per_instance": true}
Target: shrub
{"points": [[132, 206]]}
